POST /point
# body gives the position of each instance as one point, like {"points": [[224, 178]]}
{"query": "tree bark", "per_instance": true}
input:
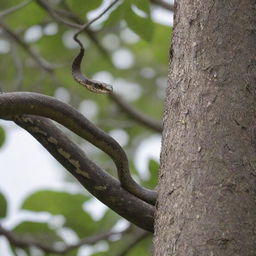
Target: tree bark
{"points": [[207, 190]]}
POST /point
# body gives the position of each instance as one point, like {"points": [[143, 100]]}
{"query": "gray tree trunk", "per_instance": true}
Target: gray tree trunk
{"points": [[207, 191]]}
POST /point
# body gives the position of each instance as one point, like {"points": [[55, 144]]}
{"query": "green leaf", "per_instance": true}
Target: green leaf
{"points": [[54, 202], [30, 15], [3, 206], [153, 167], [142, 26], [115, 16], [108, 220], [37, 231], [2, 136], [66, 204], [151, 52], [143, 5], [143, 248], [82, 7]]}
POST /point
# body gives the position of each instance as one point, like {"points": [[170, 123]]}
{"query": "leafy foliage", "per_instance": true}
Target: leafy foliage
{"points": [[80, 8], [153, 167], [38, 231], [2, 136], [128, 27], [141, 25], [62, 203], [3, 206]]}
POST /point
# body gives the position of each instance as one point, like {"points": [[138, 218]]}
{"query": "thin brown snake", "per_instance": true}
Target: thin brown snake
{"points": [[101, 140], [20, 103], [91, 85]]}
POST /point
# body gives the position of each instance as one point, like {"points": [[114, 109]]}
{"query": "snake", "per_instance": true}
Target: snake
{"points": [[20, 103], [97, 137], [90, 84]]}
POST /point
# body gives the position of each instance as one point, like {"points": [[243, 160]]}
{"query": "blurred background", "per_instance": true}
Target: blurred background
{"points": [[128, 48]]}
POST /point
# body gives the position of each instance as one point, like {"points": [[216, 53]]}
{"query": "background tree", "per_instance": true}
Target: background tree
{"points": [[37, 51], [207, 185]]}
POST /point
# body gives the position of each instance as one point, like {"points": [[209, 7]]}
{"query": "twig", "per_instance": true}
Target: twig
{"points": [[163, 4], [86, 26], [91, 34], [14, 8], [137, 237], [24, 242], [19, 68], [136, 114], [55, 14], [41, 62]]}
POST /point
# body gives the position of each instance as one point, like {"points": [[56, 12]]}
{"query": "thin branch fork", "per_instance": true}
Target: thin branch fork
{"points": [[138, 236], [135, 114], [41, 62], [87, 25], [57, 14], [24, 242], [14, 9]]}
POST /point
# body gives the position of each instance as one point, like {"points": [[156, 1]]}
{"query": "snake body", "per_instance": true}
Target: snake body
{"points": [[91, 85], [20, 103]]}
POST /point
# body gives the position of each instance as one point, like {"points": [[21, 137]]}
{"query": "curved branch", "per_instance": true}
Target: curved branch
{"points": [[137, 237], [19, 68], [41, 62], [137, 115], [55, 14], [19, 103], [22, 242], [14, 8], [86, 26], [99, 183]]}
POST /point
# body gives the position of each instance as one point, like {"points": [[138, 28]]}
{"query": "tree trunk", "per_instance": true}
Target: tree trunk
{"points": [[207, 190]]}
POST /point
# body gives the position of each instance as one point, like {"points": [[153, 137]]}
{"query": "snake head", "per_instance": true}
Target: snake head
{"points": [[101, 87]]}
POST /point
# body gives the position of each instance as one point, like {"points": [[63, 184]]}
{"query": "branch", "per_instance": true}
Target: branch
{"points": [[99, 183], [41, 62], [138, 236], [23, 242], [137, 115], [163, 4], [55, 14], [19, 103], [14, 8], [19, 68], [86, 26]]}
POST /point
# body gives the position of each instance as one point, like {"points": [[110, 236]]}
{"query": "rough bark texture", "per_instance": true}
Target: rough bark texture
{"points": [[207, 191]]}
